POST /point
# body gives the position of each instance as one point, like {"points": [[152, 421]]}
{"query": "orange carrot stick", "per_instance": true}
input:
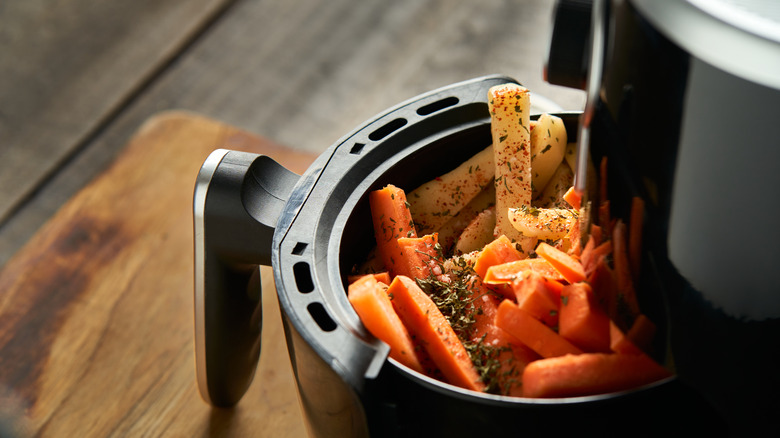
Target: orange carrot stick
{"points": [[635, 225], [619, 342], [595, 256], [392, 219], [570, 268], [424, 320], [506, 272], [375, 310], [582, 321], [531, 332], [573, 198], [499, 251], [589, 373], [642, 333], [623, 270], [533, 296], [420, 256]]}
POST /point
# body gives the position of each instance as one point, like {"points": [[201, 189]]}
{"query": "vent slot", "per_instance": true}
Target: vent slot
{"points": [[299, 248], [438, 105], [387, 129], [302, 276], [321, 317], [357, 148]]}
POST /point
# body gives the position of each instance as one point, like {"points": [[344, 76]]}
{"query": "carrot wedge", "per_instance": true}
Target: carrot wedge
{"points": [[532, 332], [424, 320], [374, 308], [635, 225], [419, 256], [534, 297], [622, 268], [619, 342], [582, 321], [392, 219], [570, 268], [506, 272], [499, 251], [589, 373]]}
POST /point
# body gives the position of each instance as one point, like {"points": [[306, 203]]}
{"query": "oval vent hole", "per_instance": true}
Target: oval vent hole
{"points": [[321, 317], [437, 106], [303, 277], [387, 129]]}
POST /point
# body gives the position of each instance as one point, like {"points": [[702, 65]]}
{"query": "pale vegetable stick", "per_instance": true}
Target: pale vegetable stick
{"points": [[543, 223], [560, 182], [437, 201], [449, 232], [548, 145], [509, 106], [478, 233]]}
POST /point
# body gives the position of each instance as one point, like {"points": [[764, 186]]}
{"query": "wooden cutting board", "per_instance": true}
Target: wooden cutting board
{"points": [[96, 311]]}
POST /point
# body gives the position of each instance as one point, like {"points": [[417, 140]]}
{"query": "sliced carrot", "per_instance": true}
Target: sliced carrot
{"points": [[582, 321], [605, 217], [596, 255], [424, 320], [574, 239], [603, 193], [499, 251], [642, 333], [533, 296], [532, 332], [570, 268], [420, 256], [374, 308], [506, 272], [382, 277], [573, 197], [602, 281], [596, 234], [635, 225], [623, 270], [512, 355], [586, 254], [619, 342], [392, 219], [589, 374]]}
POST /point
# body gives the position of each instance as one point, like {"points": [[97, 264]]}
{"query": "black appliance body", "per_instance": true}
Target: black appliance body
{"points": [[683, 100], [312, 229]]}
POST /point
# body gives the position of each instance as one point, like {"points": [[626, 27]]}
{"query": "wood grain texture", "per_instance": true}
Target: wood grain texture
{"points": [[96, 311], [303, 73], [68, 66]]}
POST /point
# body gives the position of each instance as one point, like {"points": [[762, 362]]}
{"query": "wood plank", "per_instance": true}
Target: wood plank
{"points": [[305, 73], [96, 310], [68, 67]]}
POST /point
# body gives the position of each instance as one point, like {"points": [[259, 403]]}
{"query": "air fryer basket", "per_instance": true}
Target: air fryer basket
{"points": [[346, 383]]}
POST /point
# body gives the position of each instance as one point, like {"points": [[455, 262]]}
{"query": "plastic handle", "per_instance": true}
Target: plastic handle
{"points": [[238, 199]]}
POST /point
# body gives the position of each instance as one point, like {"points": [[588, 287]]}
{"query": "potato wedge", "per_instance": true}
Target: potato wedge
{"points": [[548, 146], [478, 233], [437, 201], [509, 106], [451, 230], [560, 182], [543, 223]]}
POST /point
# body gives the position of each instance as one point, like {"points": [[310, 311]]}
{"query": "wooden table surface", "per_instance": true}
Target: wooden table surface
{"points": [[96, 283]]}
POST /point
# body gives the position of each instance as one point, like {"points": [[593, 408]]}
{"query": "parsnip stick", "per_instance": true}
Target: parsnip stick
{"points": [[543, 223], [439, 200], [509, 106], [548, 145]]}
